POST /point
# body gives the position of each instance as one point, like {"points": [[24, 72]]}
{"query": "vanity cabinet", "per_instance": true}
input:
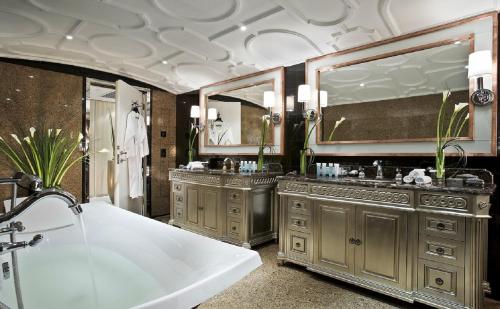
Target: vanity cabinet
{"points": [[405, 242], [235, 208]]}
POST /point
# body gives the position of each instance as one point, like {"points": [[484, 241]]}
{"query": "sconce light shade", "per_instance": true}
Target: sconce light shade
{"points": [[269, 99], [195, 111], [304, 94], [480, 63], [323, 98], [290, 103], [212, 113]]}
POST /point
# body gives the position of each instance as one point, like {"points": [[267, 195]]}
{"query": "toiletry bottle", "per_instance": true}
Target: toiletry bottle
{"points": [[399, 176], [254, 166], [361, 173], [324, 171], [318, 169], [336, 167], [330, 170], [245, 166]]}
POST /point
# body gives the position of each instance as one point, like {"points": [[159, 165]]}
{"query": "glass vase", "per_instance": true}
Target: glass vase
{"points": [[260, 161], [303, 162], [191, 155]]}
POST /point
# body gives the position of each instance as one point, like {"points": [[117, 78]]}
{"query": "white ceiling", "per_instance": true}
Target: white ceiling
{"points": [[201, 40]]}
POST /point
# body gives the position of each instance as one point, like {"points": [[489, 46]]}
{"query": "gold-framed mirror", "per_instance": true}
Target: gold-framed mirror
{"points": [[403, 88], [386, 95], [231, 114]]}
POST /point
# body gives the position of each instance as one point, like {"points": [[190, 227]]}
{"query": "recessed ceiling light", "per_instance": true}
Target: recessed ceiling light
{"points": [[362, 85], [18, 90], [243, 28], [457, 42], [31, 76], [466, 66], [8, 99], [69, 37], [164, 61]]}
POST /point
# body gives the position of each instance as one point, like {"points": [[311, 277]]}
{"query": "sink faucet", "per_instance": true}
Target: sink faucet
{"points": [[33, 184], [380, 172]]}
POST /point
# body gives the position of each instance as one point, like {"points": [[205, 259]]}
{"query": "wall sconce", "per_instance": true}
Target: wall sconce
{"points": [[323, 98], [304, 96], [269, 102], [480, 66], [195, 114], [211, 116], [290, 103]]}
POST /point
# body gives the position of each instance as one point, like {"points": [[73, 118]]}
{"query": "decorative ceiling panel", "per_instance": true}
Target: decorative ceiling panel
{"points": [[181, 45]]}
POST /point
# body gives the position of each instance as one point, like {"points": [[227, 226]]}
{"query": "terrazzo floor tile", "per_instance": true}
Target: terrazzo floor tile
{"points": [[291, 286]]}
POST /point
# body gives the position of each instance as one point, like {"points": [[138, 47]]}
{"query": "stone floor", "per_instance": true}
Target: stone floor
{"points": [[291, 286]]}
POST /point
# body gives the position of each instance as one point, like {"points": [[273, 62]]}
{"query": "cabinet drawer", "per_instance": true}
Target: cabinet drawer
{"points": [[299, 246], [298, 205], [234, 209], [441, 280], [233, 228], [441, 250], [177, 187], [299, 222], [235, 196], [179, 213], [443, 226], [178, 199]]}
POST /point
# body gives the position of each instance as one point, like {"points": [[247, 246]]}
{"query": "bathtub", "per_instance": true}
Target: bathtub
{"points": [[130, 261]]}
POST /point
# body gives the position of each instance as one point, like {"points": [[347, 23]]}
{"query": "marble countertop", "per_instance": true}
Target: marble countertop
{"points": [[226, 173], [488, 189]]}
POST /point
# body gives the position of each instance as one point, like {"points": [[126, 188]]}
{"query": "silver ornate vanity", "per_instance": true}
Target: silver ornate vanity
{"points": [[236, 208], [416, 244]]}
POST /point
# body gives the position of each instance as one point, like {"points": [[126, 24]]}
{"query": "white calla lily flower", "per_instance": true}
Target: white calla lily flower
{"points": [[16, 138], [32, 131], [58, 131], [460, 106]]}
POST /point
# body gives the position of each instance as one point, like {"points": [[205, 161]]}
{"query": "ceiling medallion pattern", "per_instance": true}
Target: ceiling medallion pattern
{"points": [[181, 45]]}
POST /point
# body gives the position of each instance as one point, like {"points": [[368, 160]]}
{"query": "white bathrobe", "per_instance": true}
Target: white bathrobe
{"points": [[136, 146]]}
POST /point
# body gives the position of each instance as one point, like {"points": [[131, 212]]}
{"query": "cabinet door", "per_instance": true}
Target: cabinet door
{"points": [[192, 205], [381, 241], [333, 228], [210, 214]]}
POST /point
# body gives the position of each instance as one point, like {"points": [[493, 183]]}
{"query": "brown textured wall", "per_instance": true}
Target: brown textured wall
{"points": [[251, 121], [163, 119], [48, 99], [408, 118]]}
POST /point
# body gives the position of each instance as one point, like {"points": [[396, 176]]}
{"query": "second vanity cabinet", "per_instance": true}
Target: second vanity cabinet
{"points": [[236, 208], [406, 242]]}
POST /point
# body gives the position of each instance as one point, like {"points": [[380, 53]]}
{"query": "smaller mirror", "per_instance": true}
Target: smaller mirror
{"points": [[235, 116]]}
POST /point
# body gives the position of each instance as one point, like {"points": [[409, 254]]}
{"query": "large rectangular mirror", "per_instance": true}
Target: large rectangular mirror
{"points": [[394, 97], [238, 114], [231, 114], [384, 97]]}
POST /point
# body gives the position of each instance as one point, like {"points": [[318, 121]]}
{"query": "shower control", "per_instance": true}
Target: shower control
{"points": [[6, 270]]}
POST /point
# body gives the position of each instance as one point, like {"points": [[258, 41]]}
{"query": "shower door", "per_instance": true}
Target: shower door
{"points": [[125, 96]]}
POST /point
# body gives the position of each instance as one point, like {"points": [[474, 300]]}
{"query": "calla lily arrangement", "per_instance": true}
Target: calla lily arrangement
{"points": [[266, 121], [47, 154], [337, 124], [193, 133], [447, 134]]}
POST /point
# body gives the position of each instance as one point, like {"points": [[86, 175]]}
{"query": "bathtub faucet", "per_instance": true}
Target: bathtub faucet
{"points": [[33, 184], [7, 247]]}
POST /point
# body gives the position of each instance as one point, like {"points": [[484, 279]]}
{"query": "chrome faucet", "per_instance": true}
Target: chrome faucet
{"points": [[33, 184], [7, 247], [380, 172]]}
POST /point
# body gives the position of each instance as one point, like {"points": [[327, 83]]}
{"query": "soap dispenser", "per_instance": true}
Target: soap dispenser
{"points": [[399, 176]]}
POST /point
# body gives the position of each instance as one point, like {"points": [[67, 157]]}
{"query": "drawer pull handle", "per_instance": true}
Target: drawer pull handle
{"points": [[298, 222], [297, 244], [440, 226], [234, 210], [358, 242], [200, 208], [439, 281], [352, 241], [179, 199], [177, 187], [440, 251], [234, 196], [234, 228], [298, 205]]}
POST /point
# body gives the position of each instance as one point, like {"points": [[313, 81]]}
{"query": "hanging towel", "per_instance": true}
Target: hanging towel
{"points": [[136, 146]]}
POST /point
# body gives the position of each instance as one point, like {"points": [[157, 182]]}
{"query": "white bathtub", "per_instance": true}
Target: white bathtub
{"points": [[135, 262]]}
